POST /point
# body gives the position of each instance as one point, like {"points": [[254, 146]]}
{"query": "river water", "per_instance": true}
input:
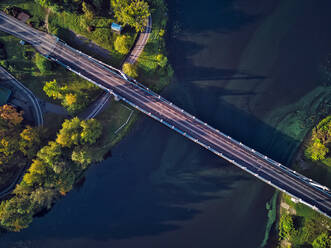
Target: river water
{"points": [[248, 68]]}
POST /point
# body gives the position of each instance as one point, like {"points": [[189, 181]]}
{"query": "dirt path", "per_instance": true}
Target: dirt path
{"points": [[48, 11]]}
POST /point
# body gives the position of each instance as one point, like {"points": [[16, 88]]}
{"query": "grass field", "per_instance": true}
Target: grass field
{"points": [[114, 116]]}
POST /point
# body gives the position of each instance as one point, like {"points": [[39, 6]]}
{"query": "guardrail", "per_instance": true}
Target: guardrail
{"points": [[160, 98]]}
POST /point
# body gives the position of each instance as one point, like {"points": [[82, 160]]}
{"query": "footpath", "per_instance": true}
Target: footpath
{"points": [[131, 58]]}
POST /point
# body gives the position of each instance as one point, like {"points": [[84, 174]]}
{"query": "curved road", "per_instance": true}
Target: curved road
{"points": [[37, 114], [140, 43], [131, 58], [30, 96], [307, 191]]}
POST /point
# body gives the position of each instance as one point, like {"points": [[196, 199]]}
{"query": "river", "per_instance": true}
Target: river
{"points": [[248, 68]]}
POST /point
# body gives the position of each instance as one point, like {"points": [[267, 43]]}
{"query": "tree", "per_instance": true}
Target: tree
{"points": [[131, 12], [54, 89], [43, 197], [30, 141], [16, 213], [122, 44], [130, 70], [50, 153], [83, 156], [92, 130], [70, 99], [70, 133], [37, 167], [161, 60], [11, 115], [42, 63], [286, 227], [88, 10], [322, 241], [316, 151]]}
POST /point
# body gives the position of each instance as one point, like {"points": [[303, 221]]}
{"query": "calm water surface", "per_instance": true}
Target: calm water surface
{"points": [[241, 66]]}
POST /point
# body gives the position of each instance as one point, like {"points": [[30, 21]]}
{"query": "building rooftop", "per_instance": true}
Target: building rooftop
{"points": [[116, 27], [4, 95]]}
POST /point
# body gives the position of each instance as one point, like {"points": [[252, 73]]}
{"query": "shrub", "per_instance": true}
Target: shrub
{"points": [[130, 70]]}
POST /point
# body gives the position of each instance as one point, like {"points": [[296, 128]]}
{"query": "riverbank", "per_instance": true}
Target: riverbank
{"points": [[307, 223]]}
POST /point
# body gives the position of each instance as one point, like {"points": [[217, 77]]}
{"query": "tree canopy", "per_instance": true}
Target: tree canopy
{"points": [[131, 12], [130, 70], [322, 241], [286, 226], [53, 171], [317, 148], [122, 44]]}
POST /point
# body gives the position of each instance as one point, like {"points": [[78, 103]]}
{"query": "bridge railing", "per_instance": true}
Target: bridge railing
{"points": [[222, 155], [119, 73]]}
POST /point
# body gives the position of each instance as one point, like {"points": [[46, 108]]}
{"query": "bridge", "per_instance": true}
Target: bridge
{"points": [[115, 82]]}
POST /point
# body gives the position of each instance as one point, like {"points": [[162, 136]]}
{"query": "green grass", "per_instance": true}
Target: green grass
{"points": [[327, 162], [114, 116]]}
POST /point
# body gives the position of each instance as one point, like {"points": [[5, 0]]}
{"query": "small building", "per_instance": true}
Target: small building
{"points": [[4, 95], [22, 42], [116, 27]]}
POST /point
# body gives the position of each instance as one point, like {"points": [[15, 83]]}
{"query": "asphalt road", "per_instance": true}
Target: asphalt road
{"points": [[38, 114], [175, 118], [131, 58], [140, 43]]}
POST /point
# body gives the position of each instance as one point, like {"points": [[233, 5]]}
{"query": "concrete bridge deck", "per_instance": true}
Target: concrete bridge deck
{"points": [[115, 82]]}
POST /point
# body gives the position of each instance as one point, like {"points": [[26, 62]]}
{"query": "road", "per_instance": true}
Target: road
{"points": [[38, 114], [158, 108], [131, 58], [140, 43]]}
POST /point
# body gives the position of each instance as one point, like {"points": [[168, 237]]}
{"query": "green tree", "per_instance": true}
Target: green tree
{"points": [[35, 174], [322, 241], [92, 130], [122, 44], [161, 60], [88, 10], [316, 150], [42, 63], [70, 133], [16, 213], [130, 70], [286, 227], [50, 153], [131, 12], [83, 156], [30, 141], [43, 197], [54, 89]]}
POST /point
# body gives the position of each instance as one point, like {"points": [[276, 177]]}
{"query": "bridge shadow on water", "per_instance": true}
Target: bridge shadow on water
{"points": [[149, 185]]}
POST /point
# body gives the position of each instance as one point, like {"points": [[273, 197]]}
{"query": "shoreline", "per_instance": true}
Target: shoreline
{"points": [[297, 162]]}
